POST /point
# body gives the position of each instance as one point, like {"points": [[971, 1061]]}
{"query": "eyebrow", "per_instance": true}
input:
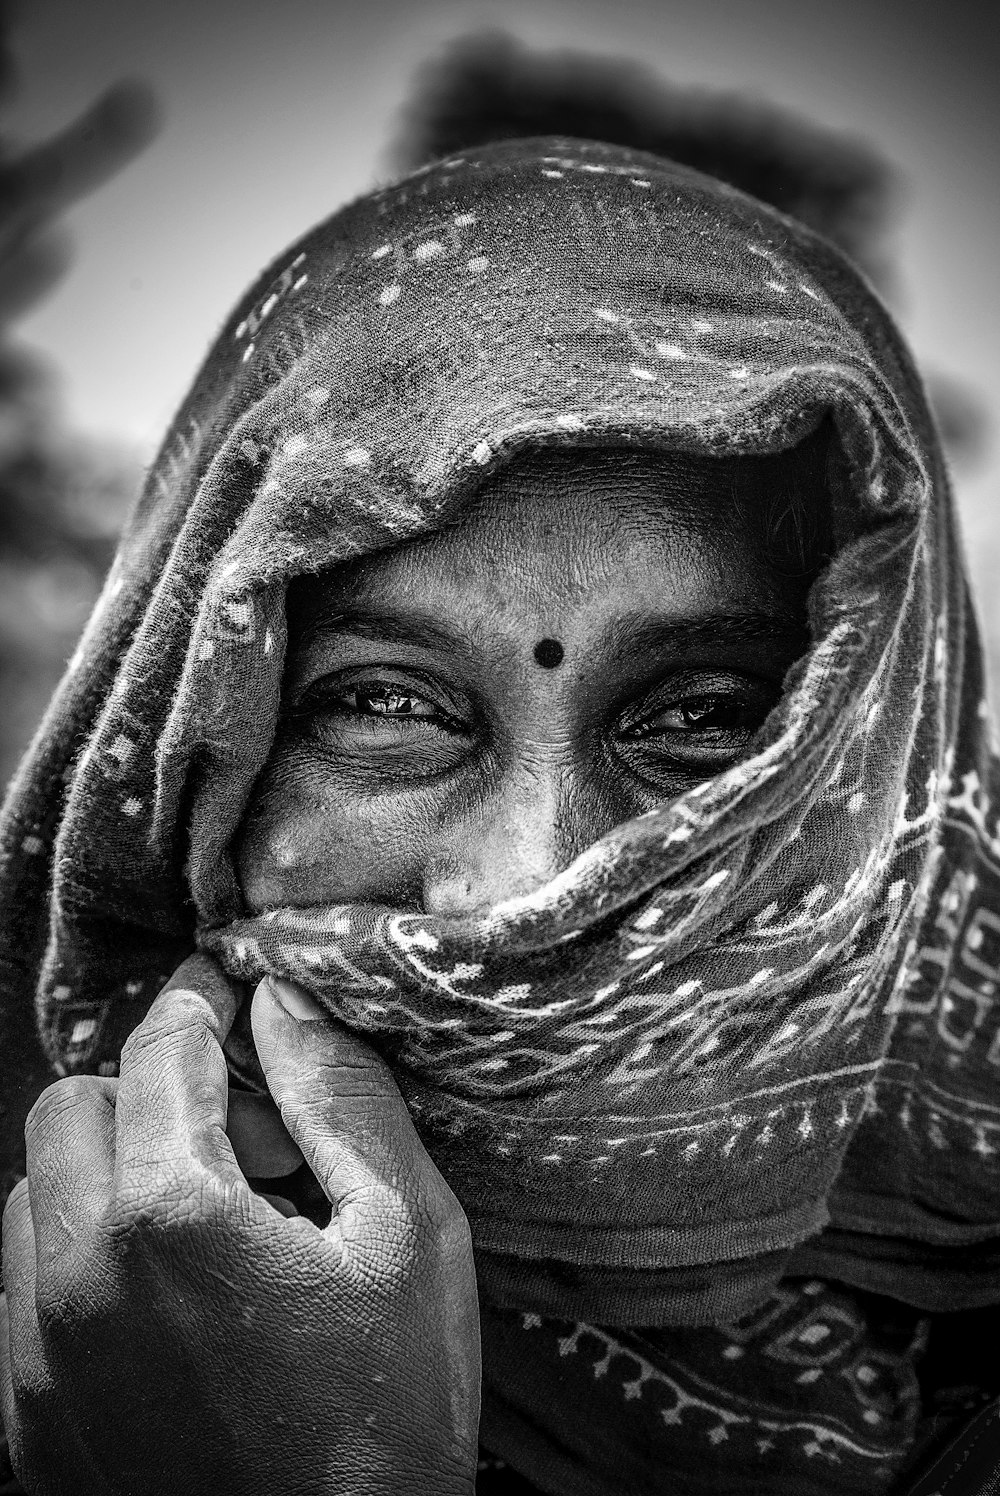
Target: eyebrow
{"points": [[638, 631], [643, 633], [392, 628]]}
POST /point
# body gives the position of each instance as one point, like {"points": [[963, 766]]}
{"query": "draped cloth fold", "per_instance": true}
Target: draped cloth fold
{"points": [[753, 1033]]}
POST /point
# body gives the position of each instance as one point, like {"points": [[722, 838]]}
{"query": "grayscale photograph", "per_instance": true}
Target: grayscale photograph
{"points": [[499, 792]]}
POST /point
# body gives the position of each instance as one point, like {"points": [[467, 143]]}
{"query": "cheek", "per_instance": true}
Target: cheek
{"points": [[304, 842]]}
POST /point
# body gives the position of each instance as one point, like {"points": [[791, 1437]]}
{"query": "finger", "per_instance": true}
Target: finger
{"points": [[8, 1401], [341, 1105], [173, 1083], [7, 1409], [38, 1423], [260, 1139], [18, 1253], [70, 1146], [24, 1364]]}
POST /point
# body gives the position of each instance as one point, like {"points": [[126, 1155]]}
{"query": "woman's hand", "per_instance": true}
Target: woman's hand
{"points": [[168, 1330]]}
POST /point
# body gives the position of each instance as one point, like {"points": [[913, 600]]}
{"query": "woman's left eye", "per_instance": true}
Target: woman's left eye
{"points": [[702, 714], [698, 731]]}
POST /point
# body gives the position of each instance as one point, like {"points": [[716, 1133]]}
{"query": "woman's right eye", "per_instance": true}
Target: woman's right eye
{"points": [[379, 703], [385, 701], [393, 727]]}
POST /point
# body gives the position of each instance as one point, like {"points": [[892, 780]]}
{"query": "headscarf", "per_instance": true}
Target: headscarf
{"points": [[750, 1034]]}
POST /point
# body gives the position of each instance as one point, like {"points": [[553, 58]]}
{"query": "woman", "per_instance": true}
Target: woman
{"points": [[542, 644]]}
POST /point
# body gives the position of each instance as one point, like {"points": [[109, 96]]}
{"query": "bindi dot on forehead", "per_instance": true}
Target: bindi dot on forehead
{"points": [[549, 653]]}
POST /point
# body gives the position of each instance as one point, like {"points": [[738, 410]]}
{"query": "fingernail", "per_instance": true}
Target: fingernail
{"points": [[296, 1003]]}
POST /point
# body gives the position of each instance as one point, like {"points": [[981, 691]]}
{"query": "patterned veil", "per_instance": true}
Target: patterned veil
{"points": [[748, 1039]]}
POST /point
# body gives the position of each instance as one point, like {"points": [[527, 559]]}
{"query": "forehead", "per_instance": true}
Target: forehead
{"points": [[586, 528], [558, 508]]}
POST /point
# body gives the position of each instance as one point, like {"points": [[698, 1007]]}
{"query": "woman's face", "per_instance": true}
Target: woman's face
{"points": [[467, 713]]}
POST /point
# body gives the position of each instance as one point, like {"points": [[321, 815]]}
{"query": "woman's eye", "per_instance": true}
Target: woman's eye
{"points": [[389, 728], [378, 716], [695, 714], [700, 731], [385, 701]]}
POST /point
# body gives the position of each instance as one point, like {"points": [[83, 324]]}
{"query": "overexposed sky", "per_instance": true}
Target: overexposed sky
{"points": [[277, 112]]}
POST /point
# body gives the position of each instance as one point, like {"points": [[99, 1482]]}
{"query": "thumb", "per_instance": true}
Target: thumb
{"points": [[340, 1104]]}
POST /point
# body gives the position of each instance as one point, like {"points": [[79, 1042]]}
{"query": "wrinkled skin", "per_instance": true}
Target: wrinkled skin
{"points": [[428, 761], [171, 1330]]}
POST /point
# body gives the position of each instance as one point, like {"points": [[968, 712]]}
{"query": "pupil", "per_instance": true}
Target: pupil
{"points": [[549, 653], [696, 714], [709, 713], [390, 701]]}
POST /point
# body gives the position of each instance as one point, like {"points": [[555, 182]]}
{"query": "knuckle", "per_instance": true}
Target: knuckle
{"points": [[64, 1298], [163, 1034], [149, 1036], [408, 1234], [30, 1393], [73, 1288], [60, 1102], [166, 1201], [359, 1077]]}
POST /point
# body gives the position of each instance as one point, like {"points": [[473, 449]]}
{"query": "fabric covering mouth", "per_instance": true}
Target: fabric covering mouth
{"points": [[722, 1037]]}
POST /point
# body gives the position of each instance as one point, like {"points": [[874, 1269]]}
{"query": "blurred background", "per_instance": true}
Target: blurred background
{"points": [[131, 220]]}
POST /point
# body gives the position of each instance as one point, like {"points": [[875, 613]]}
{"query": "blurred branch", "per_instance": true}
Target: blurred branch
{"points": [[43, 182], [62, 498]]}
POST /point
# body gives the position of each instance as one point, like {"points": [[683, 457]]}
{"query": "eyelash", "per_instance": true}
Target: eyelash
{"points": [[705, 703], [371, 692]]}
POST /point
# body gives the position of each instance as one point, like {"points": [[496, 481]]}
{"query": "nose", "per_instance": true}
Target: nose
{"points": [[531, 826]]}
